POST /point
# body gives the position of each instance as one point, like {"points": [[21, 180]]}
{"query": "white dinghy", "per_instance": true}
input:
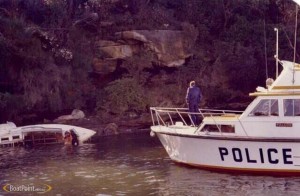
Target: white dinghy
{"points": [[11, 135]]}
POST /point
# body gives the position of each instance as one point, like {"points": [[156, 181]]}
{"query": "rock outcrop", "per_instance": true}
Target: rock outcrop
{"points": [[75, 115], [170, 47], [110, 129]]}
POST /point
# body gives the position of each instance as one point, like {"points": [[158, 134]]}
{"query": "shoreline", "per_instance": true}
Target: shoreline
{"points": [[113, 127]]}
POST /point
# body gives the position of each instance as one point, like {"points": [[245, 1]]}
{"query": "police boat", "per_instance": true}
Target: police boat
{"points": [[265, 138]]}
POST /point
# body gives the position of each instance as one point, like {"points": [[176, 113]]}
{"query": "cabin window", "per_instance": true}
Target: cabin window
{"points": [[218, 128], [291, 107], [266, 107], [16, 137]]}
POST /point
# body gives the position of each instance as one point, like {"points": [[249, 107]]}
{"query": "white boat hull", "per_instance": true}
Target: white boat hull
{"points": [[234, 154], [10, 134]]}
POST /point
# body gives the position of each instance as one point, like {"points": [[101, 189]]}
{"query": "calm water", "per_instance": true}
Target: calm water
{"points": [[126, 165]]}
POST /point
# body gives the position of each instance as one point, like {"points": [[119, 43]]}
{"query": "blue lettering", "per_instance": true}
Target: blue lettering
{"points": [[223, 151], [272, 161], [286, 156], [248, 157], [236, 158], [261, 156], [271, 153]]}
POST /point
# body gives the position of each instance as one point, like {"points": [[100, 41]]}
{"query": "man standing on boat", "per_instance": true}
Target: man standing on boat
{"points": [[193, 98]]}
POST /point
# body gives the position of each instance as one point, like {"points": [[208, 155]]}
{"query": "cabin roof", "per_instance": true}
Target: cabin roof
{"points": [[270, 93], [287, 83]]}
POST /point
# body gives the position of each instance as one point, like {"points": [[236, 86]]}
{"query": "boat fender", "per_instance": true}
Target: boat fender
{"points": [[152, 134], [75, 142]]}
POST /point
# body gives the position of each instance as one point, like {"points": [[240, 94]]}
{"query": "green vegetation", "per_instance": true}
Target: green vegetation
{"points": [[123, 95], [47, 50]]}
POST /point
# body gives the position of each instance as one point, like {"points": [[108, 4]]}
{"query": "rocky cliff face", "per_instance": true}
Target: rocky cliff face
{"points": [[170, 48], [113, 59]]}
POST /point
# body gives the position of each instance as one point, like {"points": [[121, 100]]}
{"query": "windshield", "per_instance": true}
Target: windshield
{"points": [[266, 107]]}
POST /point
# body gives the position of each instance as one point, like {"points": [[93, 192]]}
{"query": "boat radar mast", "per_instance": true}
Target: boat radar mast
{"points": [[276, 55]]}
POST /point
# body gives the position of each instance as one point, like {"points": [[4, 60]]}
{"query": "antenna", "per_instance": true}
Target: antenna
{"points": [[276, 55], [265, 43], [295, 43]]}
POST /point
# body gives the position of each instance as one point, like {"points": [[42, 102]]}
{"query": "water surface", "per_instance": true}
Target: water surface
{"points": [[134, 164]]}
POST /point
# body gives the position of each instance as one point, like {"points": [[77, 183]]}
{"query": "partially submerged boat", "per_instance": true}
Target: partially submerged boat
{"points": [[11, 135], [265, 138]]}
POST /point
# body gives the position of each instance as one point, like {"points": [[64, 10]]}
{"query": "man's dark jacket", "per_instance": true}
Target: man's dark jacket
{"points": [[193, 95]]}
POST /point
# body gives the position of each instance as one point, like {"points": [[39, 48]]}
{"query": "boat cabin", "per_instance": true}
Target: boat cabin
{"points": [[275, 112], [32, 136]]}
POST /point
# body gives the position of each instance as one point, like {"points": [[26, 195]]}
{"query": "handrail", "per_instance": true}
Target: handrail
{"points": [[182, 118], [183, 114], [210, 110], [152, 116], [170, 118], [201, 111]]}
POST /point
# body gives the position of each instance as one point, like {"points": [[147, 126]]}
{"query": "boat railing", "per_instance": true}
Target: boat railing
{"points": [[39, 129], [169, 116]]}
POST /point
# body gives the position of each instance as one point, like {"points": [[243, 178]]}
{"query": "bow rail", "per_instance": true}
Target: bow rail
{"points": [[168, 116]]}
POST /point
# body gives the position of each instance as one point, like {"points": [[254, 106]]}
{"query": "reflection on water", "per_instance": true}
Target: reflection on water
{"points": [[126, 165]]}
